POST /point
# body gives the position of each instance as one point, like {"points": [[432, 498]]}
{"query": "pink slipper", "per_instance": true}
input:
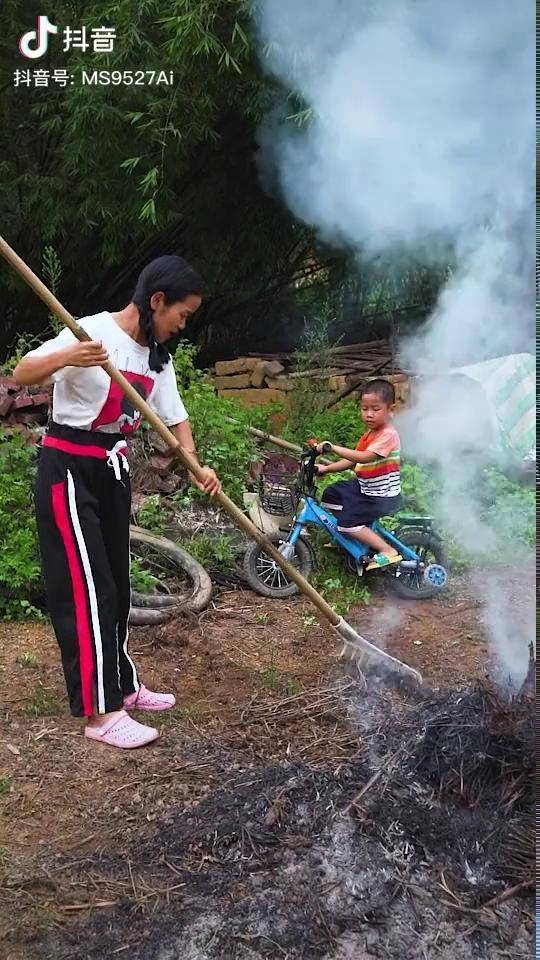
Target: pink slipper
{"points": [[144, 699], [122, 731]]}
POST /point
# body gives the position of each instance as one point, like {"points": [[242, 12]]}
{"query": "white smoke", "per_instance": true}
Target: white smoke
{"points": [[423, 115], [379, 625], [512, 627], [419, 141]]}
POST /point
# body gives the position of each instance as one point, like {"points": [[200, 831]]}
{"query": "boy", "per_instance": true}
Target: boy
{"points": [[376, 490]]}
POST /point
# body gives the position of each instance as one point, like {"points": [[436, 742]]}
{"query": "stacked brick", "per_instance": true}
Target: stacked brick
{"points": [[25, 406], [265, 379]]}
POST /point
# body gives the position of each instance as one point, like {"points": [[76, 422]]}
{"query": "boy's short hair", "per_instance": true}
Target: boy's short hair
{"points": [[382, 389]]}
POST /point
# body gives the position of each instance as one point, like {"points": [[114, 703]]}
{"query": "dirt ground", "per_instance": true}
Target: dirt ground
{"points": [[255, 683]]}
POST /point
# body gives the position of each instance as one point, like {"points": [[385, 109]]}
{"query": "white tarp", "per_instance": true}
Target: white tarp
{"points": [[509, 384]]}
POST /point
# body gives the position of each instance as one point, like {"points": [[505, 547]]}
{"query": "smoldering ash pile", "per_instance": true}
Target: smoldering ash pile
{"points": [[399, 830]]}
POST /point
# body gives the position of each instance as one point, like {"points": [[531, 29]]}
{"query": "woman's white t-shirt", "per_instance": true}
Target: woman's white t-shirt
{"points": [[87, 399]]}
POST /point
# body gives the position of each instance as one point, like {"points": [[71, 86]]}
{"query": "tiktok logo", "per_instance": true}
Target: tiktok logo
{"points": [[34, 43]]}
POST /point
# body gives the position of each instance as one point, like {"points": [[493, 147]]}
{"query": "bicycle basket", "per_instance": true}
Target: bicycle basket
{"points": [[278, 499]]}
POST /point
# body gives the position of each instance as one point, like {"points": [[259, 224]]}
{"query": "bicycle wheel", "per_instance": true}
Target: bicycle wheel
{"points": [[429, 548], [266, 577]]}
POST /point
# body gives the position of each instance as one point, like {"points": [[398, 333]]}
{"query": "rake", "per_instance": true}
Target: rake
{"points": [[355, 647]]}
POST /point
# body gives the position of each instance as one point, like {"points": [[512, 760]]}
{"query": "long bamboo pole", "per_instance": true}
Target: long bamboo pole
{"points": [[360, 648], [275, 441]]}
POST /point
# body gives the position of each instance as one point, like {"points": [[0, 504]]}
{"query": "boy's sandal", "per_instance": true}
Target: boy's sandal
{"points": [[145, 699], [123, 732], [382, 560]]}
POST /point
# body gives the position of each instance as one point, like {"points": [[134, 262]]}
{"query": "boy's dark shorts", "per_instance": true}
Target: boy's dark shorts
{"points": [[353, 508]]}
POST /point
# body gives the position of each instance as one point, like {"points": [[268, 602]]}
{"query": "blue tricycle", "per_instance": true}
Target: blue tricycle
{"points": [[421, 574]]}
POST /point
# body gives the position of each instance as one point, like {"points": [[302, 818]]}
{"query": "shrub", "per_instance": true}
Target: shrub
{"points": [[309, 396], [141, 579], [508, 507], [342, 425], [339, 586], [225, 446], [213, 551], [152, 515], [419, 488], [20, 568]]}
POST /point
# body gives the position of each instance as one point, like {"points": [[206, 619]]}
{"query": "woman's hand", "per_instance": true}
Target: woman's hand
{"points": [[210, 484], [33, 370], [87, 353]]}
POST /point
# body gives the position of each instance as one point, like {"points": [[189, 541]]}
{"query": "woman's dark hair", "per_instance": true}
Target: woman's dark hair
{"points": [[174, 276], [382, 389]]}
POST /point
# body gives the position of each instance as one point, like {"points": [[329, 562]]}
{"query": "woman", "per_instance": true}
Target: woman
{"points": [[83, 495]]}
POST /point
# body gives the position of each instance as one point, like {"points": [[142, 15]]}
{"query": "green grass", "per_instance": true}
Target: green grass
{"points": [[339, 586], [28, 660], [271, 677], [141, 579], [192, 711], [213, 551], [293, 687], [5, 784], [42, 703]]}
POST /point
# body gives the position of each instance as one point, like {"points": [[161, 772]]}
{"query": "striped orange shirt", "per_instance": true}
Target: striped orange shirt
{"points": [[380, 477]]}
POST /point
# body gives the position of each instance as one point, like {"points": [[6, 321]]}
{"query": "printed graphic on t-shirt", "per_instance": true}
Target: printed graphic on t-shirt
{"points": [[84, 397], [118, 409]]}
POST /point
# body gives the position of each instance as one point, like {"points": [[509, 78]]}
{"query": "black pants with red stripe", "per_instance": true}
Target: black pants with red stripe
{"points": [[83, 514]]}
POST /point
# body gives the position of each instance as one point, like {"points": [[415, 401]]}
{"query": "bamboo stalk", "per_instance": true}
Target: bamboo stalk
{"points": [[276, 441]]}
